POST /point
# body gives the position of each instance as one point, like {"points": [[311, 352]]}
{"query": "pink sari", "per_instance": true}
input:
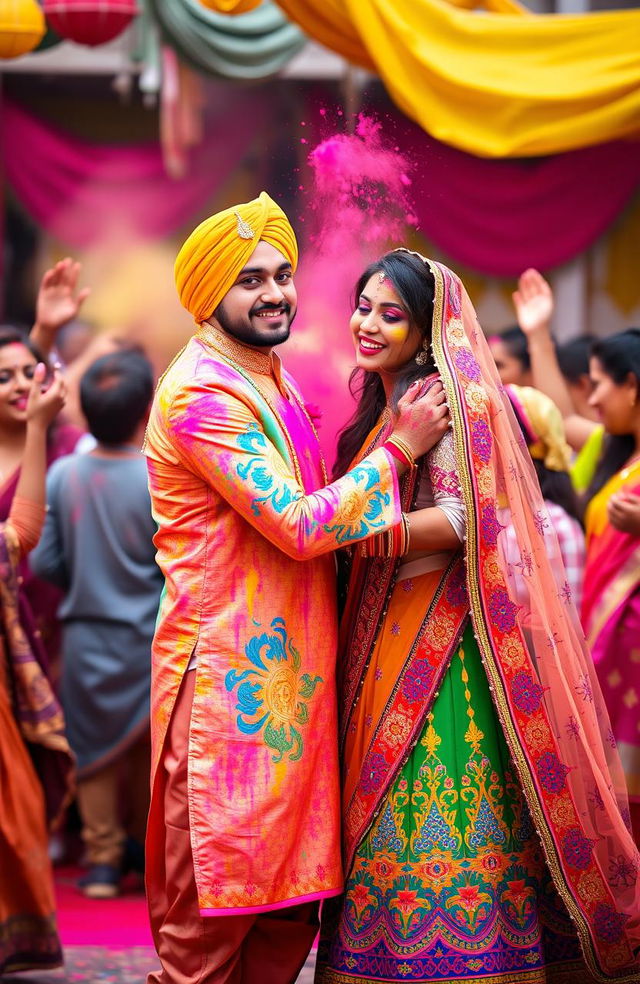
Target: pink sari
{"points": [[536, 658], [611, 619]]}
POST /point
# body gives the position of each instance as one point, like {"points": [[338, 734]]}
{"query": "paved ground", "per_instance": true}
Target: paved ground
{"points": [[96, 965]]}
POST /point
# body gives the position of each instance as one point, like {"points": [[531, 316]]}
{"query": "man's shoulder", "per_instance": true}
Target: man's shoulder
{"points": [[198, 368]]}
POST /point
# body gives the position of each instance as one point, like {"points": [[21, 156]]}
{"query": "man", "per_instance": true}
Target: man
{"points": [[244, 825]]}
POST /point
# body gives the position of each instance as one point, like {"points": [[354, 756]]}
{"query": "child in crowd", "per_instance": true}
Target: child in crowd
{"points": [[97, 546]]}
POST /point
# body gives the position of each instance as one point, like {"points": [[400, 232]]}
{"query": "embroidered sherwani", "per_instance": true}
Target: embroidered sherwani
{"points": [[246, 526]]}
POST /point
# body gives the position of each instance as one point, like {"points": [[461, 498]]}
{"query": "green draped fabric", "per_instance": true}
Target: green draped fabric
{"points": [[249, 46]]}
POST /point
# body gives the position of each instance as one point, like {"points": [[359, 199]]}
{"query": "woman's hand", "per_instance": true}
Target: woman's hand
{"points": [[45, 402], [58, 302], [623, 512], [423, 417], [533, 301]]}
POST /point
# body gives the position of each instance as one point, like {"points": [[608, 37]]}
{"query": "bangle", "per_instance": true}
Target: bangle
{"points": [[400, 450], [393, 542], [407, 534]]}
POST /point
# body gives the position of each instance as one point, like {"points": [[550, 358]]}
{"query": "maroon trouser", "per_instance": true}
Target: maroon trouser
{"points": [[268, 948]]}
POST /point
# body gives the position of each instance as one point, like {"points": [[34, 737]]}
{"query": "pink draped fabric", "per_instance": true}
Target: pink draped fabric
{"points": [[499, 217], [496, 217], [82, 192]]}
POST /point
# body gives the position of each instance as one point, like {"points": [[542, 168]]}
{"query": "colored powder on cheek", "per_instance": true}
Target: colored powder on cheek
{"points": [[397, 333]]}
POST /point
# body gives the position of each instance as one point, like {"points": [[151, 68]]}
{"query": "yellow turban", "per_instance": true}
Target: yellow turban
{"points": [[545, 425], [215, 253]]}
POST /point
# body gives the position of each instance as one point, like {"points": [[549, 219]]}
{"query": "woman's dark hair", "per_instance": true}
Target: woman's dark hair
{"points": [[618, 355], [415, 287], [555, 486], [573, 357], [515, 342], [9, 335]]}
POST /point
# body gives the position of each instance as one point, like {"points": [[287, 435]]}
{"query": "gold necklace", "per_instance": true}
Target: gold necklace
{"points": [[249, 358]]}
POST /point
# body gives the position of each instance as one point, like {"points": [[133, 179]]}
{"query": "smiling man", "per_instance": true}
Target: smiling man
{"points": [[243, 836]]}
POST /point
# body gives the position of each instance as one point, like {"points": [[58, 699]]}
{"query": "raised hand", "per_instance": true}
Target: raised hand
{"points": [[423, 417], [45, 402], [59, 300], [533, 302]]}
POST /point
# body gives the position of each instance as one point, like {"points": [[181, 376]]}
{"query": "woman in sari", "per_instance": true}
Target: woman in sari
{"points": [[611, 604], [483, 833], [31, 725], [38, 601]]}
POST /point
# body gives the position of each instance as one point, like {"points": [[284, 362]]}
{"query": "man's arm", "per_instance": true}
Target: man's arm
{"points": [[218, 437], [533, 302]]}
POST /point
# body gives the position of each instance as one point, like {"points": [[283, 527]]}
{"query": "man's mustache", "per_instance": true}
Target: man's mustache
{"points": [[284, 306]]}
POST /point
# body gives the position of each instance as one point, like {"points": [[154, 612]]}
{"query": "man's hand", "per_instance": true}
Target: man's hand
{"points": [[422, 417], [59, 300], [533, 302], [623, 512]]}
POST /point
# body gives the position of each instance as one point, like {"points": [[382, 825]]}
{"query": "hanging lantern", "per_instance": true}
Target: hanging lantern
{"points": [[22, 27], [89, 22]]}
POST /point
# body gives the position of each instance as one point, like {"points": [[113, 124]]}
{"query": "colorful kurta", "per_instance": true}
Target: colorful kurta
{"points": [[245, 536]]}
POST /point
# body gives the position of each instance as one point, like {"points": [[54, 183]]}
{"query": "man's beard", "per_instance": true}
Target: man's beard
{"points": [[243, 329]]}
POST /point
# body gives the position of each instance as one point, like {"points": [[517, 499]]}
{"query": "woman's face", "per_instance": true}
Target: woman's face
{"points": [[615, 403], [383, 335], [511, 370], [17, 366]]}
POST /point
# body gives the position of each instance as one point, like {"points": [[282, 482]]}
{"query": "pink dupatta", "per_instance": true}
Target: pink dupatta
{"points": [[537, 662]]}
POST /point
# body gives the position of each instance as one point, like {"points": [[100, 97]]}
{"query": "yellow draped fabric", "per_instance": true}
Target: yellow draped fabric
{"points": [[502, 83]]}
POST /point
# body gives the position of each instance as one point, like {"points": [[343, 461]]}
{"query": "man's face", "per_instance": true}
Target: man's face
{"points": [[261, 304]]}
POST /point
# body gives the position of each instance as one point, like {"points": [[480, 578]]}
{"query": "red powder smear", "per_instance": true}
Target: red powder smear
{"points": [[357, 207]]}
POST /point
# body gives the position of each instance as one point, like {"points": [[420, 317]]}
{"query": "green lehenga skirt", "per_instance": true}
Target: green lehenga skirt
{"points": [[450, 883]]}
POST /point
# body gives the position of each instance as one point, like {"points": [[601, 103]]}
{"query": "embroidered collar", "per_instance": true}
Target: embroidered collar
{"points": [[249, 359]]}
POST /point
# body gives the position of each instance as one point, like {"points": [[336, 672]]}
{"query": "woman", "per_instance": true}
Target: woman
{"points": [[611, 605], [509, 350], [38, 600], [543, 430], [31, 725], [469, 720]]}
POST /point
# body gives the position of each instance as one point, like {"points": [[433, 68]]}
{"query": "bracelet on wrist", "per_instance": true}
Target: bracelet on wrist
{"points": [[400, 451]]}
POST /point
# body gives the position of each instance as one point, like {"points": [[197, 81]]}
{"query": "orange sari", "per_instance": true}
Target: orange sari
{"points": [[30, 721]]}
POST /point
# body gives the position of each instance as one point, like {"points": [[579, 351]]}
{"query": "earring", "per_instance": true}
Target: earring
{"points": [[423, 356]]}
